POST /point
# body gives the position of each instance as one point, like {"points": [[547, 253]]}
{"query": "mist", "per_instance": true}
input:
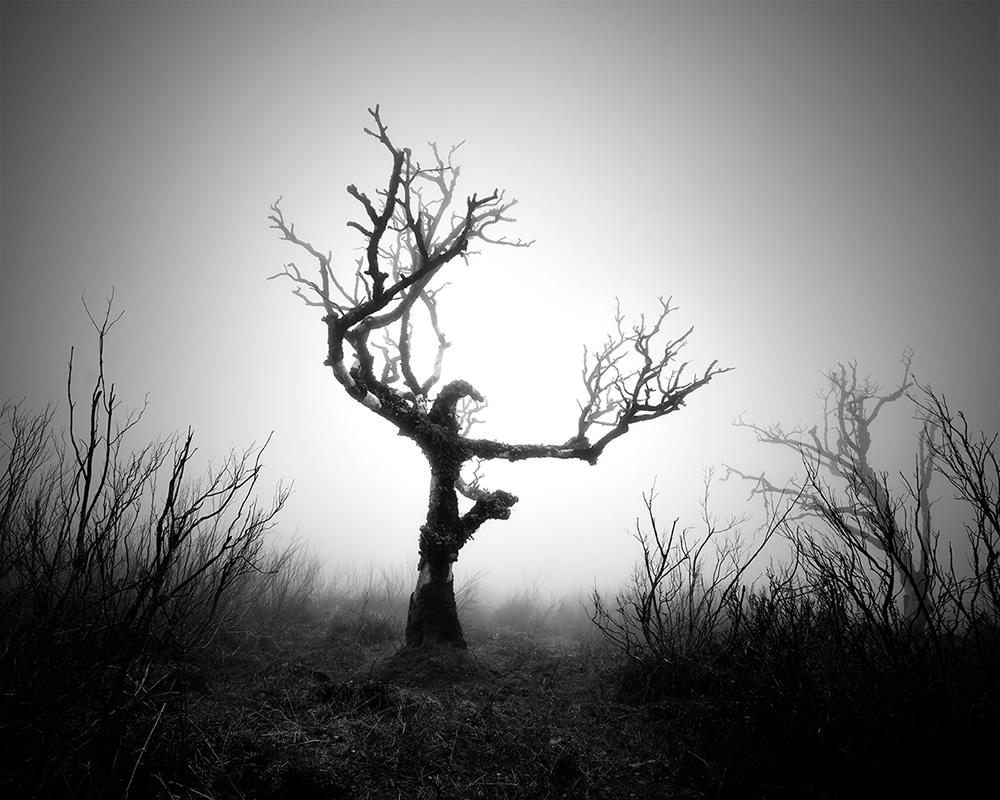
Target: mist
{"points": [[811, 184]]}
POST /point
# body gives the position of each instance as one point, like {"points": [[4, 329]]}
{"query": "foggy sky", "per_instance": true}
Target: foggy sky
{"points": [[810, 182]]}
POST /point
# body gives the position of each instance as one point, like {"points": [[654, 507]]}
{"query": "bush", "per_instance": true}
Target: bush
{"points": [[114, 567], [818, 679], [677, 607]]}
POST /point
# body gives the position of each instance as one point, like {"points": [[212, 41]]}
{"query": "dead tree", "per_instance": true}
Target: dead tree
{"points": [[410, 232], [887, 534]]}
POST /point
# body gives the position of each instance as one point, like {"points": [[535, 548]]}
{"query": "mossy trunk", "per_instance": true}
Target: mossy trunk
{"points": [[432, 620]]}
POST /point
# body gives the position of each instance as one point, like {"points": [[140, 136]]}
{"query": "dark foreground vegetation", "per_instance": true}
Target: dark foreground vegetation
{"points": [[313, 704], [156, 643]]}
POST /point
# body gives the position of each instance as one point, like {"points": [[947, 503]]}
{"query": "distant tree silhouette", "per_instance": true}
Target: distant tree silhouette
{"points": [[889, 534], [411, 231]]}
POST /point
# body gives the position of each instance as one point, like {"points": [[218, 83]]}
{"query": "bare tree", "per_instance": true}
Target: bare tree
{"points": [[887, 534], [411, 231]]}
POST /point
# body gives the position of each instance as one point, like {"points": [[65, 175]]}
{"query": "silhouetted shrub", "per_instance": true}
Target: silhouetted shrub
{"points": [[820, 679], [115, 565]]}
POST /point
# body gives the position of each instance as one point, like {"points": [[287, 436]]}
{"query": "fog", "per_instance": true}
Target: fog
{"points": [[811, 183]]}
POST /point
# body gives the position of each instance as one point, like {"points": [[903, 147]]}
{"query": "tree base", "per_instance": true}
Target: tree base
{"points": [[430, 667], [432, 620]]}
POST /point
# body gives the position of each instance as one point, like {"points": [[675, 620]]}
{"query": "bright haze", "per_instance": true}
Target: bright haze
{"points": [[810, 182]]}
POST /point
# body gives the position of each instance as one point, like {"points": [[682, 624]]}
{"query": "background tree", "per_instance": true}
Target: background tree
{"points": [[411, 231], [885, 533]]}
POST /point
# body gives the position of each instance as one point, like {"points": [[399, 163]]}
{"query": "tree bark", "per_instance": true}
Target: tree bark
{"points": [[432, 620]]}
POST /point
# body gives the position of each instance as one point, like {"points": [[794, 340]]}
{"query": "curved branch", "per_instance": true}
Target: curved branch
{"points": [[619, 395], [406, 244]]}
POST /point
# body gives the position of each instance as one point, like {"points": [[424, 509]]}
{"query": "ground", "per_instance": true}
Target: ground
{"points": [[540, 706], [310, 714]]}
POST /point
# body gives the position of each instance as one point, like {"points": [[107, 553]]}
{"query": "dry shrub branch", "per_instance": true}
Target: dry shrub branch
{"points": [[115, 564]]}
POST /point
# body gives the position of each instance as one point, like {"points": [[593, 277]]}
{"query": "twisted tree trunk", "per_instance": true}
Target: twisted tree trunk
{"points": [[433, 614]]}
